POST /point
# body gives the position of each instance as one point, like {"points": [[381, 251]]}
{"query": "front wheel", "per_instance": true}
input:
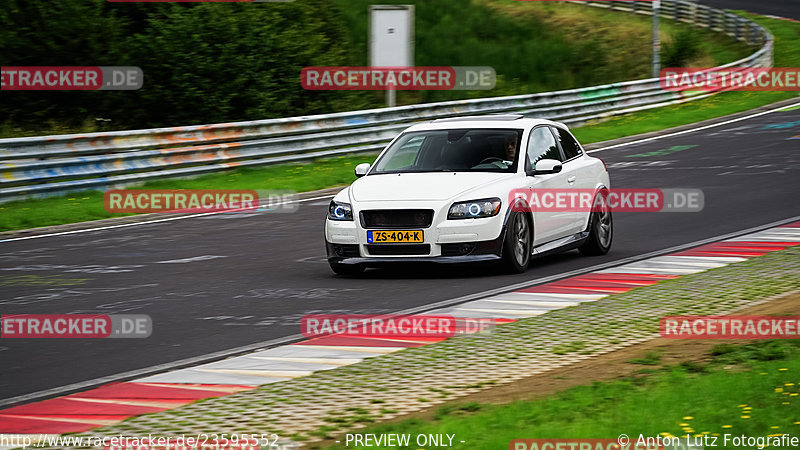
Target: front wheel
{"points": [[601, 230], [517, 244], [346, 269]]}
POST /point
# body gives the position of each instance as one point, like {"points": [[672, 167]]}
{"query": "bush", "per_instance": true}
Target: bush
{"points": [[684, 47], [203, 62]]}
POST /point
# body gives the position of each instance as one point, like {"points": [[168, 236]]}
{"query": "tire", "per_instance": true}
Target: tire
{"points": [[346, 269], [601, 231], [517, 243]]}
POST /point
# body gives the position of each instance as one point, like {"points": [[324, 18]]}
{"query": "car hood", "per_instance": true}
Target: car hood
{"points": [[420, 186]]}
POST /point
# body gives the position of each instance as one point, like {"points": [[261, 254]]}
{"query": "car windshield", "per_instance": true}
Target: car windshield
{"points": [[456, 150]]}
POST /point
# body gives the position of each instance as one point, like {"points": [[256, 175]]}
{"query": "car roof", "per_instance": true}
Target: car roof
{"points": [[486, 121]]}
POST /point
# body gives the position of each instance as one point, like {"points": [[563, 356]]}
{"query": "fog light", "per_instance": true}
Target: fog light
{"points": [[465, 248]]}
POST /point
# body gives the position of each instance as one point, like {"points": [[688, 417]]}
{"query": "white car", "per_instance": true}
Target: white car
{"points": [[447, 191]]}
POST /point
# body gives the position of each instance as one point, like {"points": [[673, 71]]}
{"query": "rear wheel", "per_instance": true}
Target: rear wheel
{"points": [[517, 244], [346, 269], [601, 229]]}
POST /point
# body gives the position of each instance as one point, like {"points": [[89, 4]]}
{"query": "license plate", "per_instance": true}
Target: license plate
{"points": [[394, 236]]}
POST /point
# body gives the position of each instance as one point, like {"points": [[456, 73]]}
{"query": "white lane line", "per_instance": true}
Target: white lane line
{"points": [[302, 351], [709, 259], [656, 264], [375, 350], [508, 306], [650, 271], [260, 373], [774, 238], [535, 303], [498, 313], [320, 361], [781, 231], [791, 234], [192, 259], [245, 363], [581, 297], [568, 299], [190, 376], [692, 130]]}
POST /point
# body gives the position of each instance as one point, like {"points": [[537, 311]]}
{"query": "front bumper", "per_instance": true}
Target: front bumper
{"points": [[455, 253], [444, 241]]}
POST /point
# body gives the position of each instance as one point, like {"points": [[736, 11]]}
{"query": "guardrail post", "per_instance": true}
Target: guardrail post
{"points": [[711, 20], [724, 19]]}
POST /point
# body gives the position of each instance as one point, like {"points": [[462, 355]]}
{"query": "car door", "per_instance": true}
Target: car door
{"points": [[549, 224], [578, 172]]}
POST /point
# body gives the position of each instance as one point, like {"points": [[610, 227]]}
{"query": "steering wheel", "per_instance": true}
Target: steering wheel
{"points": [[490, 159]]}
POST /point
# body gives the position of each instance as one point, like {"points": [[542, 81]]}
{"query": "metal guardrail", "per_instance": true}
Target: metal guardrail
{"points": [[53, 165]]}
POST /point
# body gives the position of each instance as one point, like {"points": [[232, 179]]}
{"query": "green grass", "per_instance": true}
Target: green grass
{"points": [[787, 41], [536, 46], [677, 115], [747, 389], [320, 174]]}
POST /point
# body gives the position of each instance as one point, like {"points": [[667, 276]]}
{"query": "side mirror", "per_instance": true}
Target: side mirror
{"points": [[546, 167], [362, 169]]}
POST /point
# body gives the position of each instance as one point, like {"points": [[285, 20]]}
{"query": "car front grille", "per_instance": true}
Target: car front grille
{"points": [[397, 218], [398, 249]]}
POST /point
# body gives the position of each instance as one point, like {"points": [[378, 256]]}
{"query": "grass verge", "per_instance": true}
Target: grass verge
{"points": [[84, 206], [749, 389], [88, 205]]}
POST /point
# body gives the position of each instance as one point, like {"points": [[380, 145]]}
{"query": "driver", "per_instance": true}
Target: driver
{"points": [[510, 147]]}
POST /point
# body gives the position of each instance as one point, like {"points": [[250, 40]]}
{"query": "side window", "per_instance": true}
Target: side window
{"points": [[568, 143], [542, 145]]}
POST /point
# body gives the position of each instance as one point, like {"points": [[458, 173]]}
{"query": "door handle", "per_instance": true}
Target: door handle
{"points": [[571, 179]]}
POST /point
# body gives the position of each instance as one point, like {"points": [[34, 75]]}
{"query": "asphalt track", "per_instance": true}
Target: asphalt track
{"points": [[222, 281], [783, 8]]}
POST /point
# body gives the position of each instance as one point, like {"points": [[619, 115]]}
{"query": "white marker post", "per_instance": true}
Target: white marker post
{"points": [[656, 39], [391, 39]]}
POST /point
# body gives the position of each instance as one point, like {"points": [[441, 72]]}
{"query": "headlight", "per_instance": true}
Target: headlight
{"points": [[474, 209], [340, 211]]}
